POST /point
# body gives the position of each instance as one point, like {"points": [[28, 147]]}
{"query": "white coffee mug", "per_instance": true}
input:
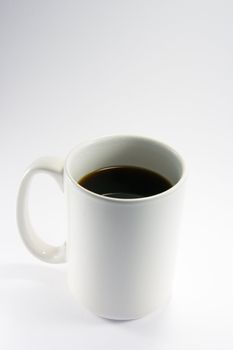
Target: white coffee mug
{"points": [[120, 252]]}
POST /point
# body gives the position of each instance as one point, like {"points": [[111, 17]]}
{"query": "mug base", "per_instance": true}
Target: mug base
{"points": [[157, 311], [122, 317]]}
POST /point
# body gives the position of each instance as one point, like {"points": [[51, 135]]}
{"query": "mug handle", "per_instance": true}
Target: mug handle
{"points": [[42, 250]]}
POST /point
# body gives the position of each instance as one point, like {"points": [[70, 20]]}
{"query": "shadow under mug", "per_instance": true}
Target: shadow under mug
{"points": [[120, 252]]}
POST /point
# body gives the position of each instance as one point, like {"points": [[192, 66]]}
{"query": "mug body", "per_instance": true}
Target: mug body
{"points": [[121, 252]]}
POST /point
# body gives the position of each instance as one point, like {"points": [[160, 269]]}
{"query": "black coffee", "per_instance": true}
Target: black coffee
{"points": [[125, 182]]}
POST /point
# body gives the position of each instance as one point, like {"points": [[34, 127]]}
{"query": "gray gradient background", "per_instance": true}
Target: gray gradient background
{"points": [[72, 70]]}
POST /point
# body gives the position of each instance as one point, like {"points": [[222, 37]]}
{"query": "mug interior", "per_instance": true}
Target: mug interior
{"points": [[125, 150]]}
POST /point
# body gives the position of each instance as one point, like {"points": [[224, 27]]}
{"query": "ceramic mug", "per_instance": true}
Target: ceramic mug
{"points": [[120, 252]]}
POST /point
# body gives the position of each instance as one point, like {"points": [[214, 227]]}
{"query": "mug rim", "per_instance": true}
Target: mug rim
{"points": [[125, 200]]}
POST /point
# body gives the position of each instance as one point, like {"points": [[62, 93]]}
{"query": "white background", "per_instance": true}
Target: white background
{"points": [[73, 70]]}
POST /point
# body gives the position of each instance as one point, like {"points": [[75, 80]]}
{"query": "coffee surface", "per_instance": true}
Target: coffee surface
{"points": [[125, 182]]}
